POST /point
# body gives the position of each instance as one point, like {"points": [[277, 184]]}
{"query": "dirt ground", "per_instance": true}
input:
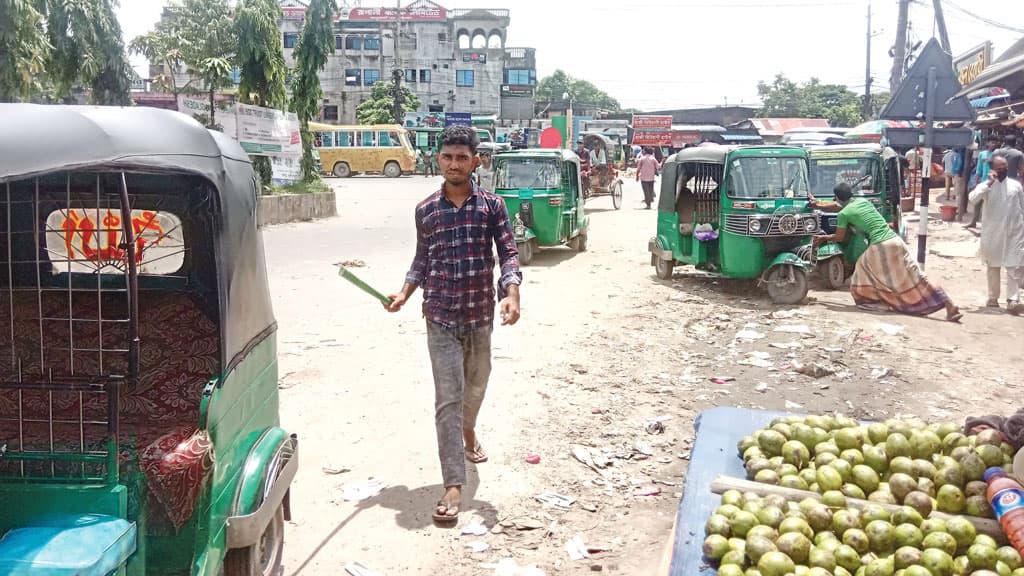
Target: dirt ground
{"points": [[602, 379]]}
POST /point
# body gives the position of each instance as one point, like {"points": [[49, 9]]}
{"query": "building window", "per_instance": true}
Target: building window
{"points": [[410, 75], [472, 102], [370, 77], [352, 76], [424, 76], [367, 140], [371, 43], [339, 42], [445, 66], [442, 36], [290, 38], [520, 77], [464, 78], [353, 42], [331, 113]]}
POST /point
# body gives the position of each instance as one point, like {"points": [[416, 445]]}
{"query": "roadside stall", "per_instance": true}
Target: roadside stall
{"points": [[826, 494]]}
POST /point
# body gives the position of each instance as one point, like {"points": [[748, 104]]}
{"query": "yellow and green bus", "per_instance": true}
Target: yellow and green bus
{"points": [[364, 149]]}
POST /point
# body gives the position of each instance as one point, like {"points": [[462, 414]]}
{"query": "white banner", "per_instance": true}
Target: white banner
{"points": [[268, 132], [199, 108], [287, 169]]}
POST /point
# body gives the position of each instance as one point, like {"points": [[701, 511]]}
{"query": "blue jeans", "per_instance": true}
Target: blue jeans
{"points": [[461, 363]]}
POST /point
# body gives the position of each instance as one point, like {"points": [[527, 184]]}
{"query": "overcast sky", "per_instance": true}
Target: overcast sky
{"points": [[656, 54]]}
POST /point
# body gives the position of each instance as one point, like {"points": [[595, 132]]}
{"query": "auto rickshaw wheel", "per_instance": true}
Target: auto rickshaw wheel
{"points": [[342, 170], [617, 195], [525, 252], [663, 268], [787, 284], [835, 273], [265, 558], [579, 243], [392, 169]]}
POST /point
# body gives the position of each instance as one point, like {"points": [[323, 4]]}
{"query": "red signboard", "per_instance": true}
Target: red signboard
{"points": [[407, 14], [652, 122], [653, 138], [294, 13], [680, 139]]}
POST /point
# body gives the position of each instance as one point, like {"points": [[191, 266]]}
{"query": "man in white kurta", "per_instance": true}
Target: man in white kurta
{"points": [[1002, 237]]}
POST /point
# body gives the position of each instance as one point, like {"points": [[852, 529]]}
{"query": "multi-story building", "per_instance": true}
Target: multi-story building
{"points": [[453, 60]]}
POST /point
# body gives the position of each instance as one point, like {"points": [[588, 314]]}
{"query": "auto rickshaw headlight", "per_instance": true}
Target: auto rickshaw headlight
{"points": [[755, 225], [810, 225]]}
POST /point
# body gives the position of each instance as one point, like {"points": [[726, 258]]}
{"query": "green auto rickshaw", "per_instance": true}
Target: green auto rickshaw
{"points": [[737, 212], [874, 174], [139, 426], [545, 201]]}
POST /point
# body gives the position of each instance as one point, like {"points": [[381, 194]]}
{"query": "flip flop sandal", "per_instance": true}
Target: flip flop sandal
{"points": [[992, 304], [955, 317], [474, 459], [444, 517]]}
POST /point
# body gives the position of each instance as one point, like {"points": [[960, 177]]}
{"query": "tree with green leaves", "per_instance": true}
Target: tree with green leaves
{"points": [[162, 46], [261, 62], [380, 108], [50, 48], [553, 88], [784, 98], [315, 44]]}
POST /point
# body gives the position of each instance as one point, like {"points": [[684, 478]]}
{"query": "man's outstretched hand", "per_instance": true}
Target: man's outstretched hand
{"points": [[397, 301]]}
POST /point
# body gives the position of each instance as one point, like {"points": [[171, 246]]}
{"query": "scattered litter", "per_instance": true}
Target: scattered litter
{"points": [[527, 524], [654, 427], [756, 359], [509, 567], [591, 458], [792, 405], [359, 491], [880, 372], [353, 264], [890, 329], [813, 370], [785, 314], [357, 569], [533, 458], [794, 329], [761, 387], [596, 411], [748, 334], [576, 548], [589, 507], [723, 379], [834, 350], [555, 499], [787, 345], [333, 470], [478, 546], [644, 448], [647, 491], [474, 529]]}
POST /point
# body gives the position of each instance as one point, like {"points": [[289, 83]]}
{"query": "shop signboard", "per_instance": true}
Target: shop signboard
{"points": [[410, 14], [970, 64], [652, 138], [458, 119], [652, 122], [268, 132]]}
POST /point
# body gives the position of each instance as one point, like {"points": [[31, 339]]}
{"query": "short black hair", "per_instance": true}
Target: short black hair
{"points": [[843, 192], [460, 136], [1010, 139]]}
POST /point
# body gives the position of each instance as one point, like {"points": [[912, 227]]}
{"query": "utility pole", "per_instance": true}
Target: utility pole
{"points": [[900, 49], [867, 70], [940, 21], [398, 110]]}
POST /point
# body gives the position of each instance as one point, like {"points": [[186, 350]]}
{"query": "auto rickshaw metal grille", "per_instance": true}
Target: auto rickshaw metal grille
{"points": [[68, 325], [704, 183]]}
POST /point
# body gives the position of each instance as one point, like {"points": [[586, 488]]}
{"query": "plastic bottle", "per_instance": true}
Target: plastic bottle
{"points": [[1006, 496]]}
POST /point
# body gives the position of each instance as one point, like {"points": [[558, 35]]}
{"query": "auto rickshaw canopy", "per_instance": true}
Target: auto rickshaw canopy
{"points": [[39, 140]]}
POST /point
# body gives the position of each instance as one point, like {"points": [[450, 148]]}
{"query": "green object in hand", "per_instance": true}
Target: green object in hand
{"points": [[344, 273]]}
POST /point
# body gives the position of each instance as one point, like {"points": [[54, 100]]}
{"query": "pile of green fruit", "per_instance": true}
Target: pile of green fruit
{"points": [[903, 462], [753, 536]]}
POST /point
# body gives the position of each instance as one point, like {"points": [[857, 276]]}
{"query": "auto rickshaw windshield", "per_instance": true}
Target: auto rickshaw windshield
{"points": [[826, 173], [758, 177], [537, 173]]}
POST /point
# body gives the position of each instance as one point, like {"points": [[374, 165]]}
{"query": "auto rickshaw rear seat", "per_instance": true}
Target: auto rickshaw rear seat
{"points": [[68, 545]]}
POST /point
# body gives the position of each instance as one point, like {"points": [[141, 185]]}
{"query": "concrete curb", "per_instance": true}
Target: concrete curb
{"points": [[284, 208]]}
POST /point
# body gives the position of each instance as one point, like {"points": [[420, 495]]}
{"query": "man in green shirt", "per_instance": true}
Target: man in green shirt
{"points": [[887, 276]]}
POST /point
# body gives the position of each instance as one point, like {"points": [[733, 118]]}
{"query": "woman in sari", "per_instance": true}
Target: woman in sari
{"points": [[886, 277]]}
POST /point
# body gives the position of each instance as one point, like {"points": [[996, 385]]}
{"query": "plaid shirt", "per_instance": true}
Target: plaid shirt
{"points": [[454, 261]]}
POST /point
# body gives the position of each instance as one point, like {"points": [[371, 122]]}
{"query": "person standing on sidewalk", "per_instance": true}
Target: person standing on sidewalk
{"points": [[646, 172], [981, 174], [429, 159], [1002, 238], [454, 264]]}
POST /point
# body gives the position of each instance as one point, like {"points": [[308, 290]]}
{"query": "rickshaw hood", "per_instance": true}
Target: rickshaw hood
{"points": [[37, 140]]}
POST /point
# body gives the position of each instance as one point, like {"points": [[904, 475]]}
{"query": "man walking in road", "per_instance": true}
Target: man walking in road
{"points": [[429, 159], [646, 172], [981, 174], [454, 265], [1002, 238]]}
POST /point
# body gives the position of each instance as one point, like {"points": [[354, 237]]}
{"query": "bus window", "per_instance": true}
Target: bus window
{"points": [[344, 140], [367, 139], [328, 140], [384, 140], [318, 139]]}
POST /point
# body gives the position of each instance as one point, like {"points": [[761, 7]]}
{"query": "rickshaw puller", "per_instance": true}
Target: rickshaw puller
{"points": [[454, 264]]}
